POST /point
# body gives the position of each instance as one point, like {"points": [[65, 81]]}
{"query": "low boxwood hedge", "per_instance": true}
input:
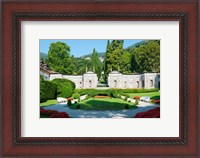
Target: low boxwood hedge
{"points": [[112, 92], [76, 96], [139, 90]]}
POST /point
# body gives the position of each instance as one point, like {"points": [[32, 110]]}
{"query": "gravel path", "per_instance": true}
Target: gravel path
{"points": [[102, 114]]}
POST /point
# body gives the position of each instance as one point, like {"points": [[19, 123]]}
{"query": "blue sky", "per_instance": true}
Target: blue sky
{"points": [[83, 47]]}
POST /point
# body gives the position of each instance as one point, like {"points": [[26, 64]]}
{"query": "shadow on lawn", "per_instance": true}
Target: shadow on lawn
{"points": [[156, 97]]}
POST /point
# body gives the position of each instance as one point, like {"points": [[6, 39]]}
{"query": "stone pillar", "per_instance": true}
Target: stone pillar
{"points": [[90, 80]]}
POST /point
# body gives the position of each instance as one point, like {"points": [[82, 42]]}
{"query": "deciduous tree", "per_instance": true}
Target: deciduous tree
{"points": [[59, 58]]}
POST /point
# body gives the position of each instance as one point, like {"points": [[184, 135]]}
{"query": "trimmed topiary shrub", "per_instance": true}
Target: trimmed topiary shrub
{"points": [[69, 102], [48, 90], [136, 102], [93, 92], [76, 96], [81, 91], [139, 90], [109, 91], [65, 88], [114, 94], [87, 97]]}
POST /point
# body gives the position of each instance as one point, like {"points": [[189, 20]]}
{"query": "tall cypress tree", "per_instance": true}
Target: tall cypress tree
{"points": [[114, 53], [106, 61], [96, 63]]}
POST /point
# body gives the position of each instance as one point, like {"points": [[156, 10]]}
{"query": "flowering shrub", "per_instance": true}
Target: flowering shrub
{"points": [[156, 101], [70, 99], [136, 97], [69, 102], [153, 113], [52, 114]]}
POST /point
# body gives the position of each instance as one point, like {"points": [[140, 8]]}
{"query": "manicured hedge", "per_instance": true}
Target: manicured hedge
{"points": [[65, 88], [76, 96], [115, 94], [47, 90], [139, 90], [82, 91], [112, 92], [69, 103], [126, 95], [93, 92]]}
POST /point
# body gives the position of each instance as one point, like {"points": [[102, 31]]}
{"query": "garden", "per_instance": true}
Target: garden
{"points": [[89, 99], [103, 104]]}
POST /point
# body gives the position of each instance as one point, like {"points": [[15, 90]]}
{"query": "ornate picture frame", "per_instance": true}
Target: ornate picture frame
{"points": [[13, 13]]}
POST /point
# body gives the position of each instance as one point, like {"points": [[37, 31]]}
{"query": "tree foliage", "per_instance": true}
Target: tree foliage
{"points": [[83, 65], [59, 58], [125, 64], [96, 63], [146, 58], [117, 58], [140, 57]]}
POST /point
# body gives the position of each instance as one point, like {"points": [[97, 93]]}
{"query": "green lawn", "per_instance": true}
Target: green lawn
{"points": [[153, 95], [104, 104], [49, 102]]}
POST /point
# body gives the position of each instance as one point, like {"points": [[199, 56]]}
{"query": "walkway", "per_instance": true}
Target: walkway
{"points": [[102, 114]]}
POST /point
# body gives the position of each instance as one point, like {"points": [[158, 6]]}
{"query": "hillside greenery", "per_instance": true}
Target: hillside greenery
{"points": [[43, 57]]}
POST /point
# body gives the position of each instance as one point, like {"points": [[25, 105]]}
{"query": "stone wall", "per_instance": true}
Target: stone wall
{"points": [[151, 80], [145, 80], [54, 76], [88, 80], [115, 80], [78, 80]]}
